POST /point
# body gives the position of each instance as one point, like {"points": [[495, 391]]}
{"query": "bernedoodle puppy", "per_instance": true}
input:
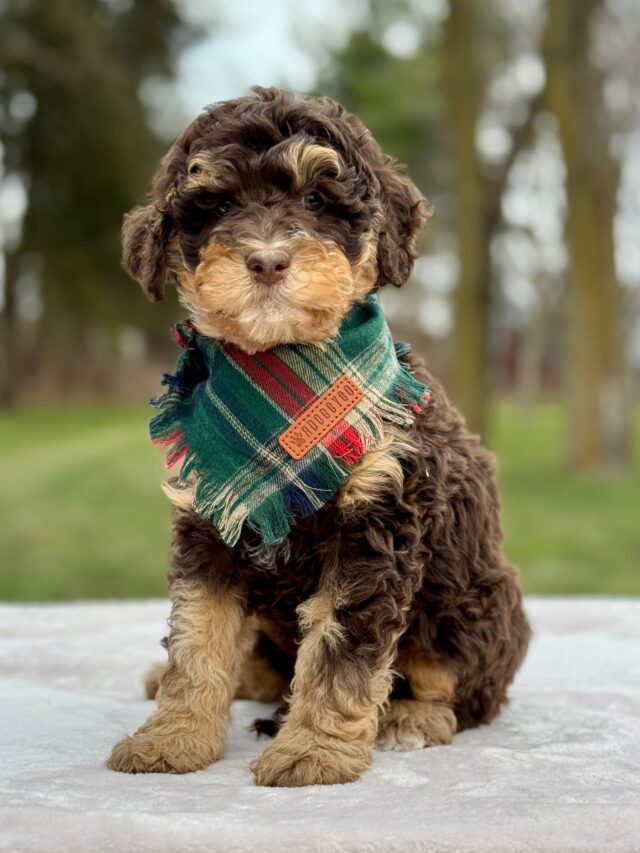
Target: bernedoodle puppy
{"points": [[336, 533]]}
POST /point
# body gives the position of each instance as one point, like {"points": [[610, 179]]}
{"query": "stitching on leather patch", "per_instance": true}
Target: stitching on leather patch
{"points": [[321, 417]]}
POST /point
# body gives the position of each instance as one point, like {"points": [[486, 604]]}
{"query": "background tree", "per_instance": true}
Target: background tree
{"points": [[472, 225], [75, 135], [478, 195], [599, 435]]}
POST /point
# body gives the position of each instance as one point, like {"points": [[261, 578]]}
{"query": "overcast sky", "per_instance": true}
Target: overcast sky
{"points": [[249, 43]]}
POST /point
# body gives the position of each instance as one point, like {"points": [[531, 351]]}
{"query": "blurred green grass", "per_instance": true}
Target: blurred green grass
{"points": [[82, 514]]}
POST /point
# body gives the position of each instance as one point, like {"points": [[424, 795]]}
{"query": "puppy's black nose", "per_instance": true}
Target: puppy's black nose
{"points": [[268, 266]]}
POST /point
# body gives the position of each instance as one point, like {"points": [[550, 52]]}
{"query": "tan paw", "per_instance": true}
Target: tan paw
{"points": [[149, 753], [409, 724], [298, 761]]}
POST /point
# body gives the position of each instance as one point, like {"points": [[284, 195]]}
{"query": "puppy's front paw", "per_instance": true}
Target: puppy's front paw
{"points": [[293, 761], [173, 753], [409, 724]]}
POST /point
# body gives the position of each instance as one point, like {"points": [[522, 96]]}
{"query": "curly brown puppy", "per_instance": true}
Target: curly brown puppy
{"points": [[388, 613]]}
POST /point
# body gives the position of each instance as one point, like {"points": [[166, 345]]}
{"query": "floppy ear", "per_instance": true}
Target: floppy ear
{"points": [[405, 213], [145, 231], [403, 210]]}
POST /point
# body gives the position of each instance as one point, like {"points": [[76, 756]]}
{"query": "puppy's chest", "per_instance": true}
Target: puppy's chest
{"points": [[265, 558], [281, 575]]}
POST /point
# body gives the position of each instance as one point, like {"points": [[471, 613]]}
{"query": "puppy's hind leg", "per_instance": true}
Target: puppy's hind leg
{"points": [[153, 679], [267, 671], [426, 719]]}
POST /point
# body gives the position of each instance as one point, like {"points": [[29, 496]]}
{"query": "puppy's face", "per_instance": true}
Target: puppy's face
{"points": [[271, 246], [274, 215]]}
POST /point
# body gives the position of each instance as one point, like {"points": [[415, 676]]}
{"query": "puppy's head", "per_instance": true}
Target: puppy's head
{"points": [[274, 214]]}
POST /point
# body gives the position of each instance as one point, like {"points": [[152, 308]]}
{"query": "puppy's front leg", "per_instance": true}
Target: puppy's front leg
{"points": [[205, 648], [342, 677]]}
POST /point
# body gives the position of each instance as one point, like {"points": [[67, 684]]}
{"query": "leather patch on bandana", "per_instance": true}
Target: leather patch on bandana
{"points": [[321, 417]]}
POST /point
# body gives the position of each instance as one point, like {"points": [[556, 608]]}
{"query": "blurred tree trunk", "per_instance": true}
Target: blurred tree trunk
{"points": [[9, 356], [478, 210], [82, 64], [596, 381], [471, 351]]}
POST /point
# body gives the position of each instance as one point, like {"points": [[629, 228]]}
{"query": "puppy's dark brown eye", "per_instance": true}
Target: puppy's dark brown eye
{"points": [[223, 206], [313, 201]]}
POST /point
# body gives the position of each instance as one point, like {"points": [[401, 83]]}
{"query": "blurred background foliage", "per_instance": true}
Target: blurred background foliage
{"points": [[519, 119]]}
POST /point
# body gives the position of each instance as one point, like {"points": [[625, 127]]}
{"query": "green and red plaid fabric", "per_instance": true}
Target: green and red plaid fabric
{"points": [[225, 410]]}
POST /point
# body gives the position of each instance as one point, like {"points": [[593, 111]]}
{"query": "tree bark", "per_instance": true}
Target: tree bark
{"points": [[596, 377], [478, 213], [471, 303], [9, 356]]}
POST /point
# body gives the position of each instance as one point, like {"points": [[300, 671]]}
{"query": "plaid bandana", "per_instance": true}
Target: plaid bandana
{"points": [[270, 438]]}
